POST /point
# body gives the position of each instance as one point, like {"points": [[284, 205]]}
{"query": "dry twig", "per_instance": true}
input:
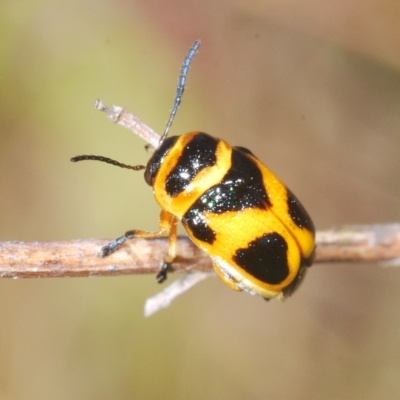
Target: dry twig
{"points": [[80, 258], [379, 244]]}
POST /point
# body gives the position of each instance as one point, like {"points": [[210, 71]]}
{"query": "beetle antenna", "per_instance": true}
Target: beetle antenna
{"points": [[108, 161], [181, 87]]}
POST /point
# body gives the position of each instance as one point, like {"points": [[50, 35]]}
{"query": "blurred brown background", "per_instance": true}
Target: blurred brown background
{"points": [[313, 88]]}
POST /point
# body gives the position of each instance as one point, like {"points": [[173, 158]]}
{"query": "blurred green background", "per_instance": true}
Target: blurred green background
{"points": [[313, 88]]}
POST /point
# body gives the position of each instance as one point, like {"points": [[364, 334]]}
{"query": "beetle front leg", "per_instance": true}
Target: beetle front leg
{"points": [[168, 225]]}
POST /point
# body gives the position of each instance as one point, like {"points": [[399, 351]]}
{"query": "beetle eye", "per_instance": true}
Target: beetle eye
{"points": [[157, 159], [147, 175]]}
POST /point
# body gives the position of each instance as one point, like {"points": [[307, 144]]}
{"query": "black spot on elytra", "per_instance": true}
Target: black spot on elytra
{"points": [[265, 258], [298, 213], [194, 221]]}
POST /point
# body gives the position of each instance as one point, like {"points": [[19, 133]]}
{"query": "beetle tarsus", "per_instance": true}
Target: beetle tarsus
{"points": [[162, 274], [111, 247]]}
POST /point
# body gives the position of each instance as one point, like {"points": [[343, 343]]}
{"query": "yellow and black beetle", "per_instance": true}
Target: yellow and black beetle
{"points": [[259, 236]]}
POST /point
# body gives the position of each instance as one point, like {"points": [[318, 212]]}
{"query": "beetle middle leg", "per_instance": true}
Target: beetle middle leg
{"points": [[225, 278], [170, 257]]}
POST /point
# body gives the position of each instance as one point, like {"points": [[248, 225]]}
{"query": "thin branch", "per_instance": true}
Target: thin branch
{"points": [[379, 243], [80, 258], [164, 298], [364, 243]]}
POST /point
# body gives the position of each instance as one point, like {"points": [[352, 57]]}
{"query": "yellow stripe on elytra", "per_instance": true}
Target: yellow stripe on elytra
{"points": [[206, 178]]}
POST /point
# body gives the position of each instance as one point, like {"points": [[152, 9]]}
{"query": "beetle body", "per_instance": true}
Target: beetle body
{"points": [[258, 235]]}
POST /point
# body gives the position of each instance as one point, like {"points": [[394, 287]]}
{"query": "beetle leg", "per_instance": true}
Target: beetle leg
{"points": [[168, 260], [111, 247], [227, 280], [166, 222]]}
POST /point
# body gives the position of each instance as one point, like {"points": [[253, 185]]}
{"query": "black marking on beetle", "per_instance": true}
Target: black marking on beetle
{"points": [[307, 262], [298, 213], [265, 258], [244, 149], [154, 164], [242, 187], [199, 153], [194, 222], [293, 286]]}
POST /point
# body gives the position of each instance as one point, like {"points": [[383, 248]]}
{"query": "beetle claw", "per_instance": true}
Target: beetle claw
{"points": [[162, 274], [111, 247]]}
